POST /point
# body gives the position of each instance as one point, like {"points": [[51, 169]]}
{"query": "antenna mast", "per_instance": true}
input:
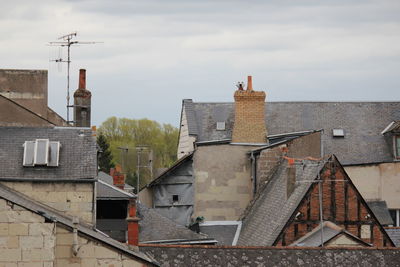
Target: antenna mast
{"points": [[67, 42]]}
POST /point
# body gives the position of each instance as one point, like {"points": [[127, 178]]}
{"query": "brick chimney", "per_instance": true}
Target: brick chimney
{"points": [[133, 224], [118, 177], [249, 125], [82, 102]]}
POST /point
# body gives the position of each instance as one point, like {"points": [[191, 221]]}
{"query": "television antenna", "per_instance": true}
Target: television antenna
{"points": [[67, 41]]}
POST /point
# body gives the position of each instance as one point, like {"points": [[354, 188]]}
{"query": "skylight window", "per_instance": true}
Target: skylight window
{"points": [[338, 133], [41, 152]]}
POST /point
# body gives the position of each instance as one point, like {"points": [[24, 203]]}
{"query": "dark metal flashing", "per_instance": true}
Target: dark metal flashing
{"points": [[52, 180], [214, 142]]}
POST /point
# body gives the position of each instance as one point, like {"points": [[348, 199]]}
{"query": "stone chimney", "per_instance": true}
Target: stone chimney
{"points": [[249, 125], [133, 224], [82, 102]]}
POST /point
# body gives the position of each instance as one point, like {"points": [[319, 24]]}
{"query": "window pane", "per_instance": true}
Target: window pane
{"points": [[398, 146], [42, 149]]}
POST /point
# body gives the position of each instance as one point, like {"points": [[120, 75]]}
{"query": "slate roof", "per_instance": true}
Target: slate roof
{"points": [[155, 228], [362, 122], [106, 191], [176, 165], [53, 215], [270, 212], [394, 234], [225, 232], [330, 231], [380, 210], [78, 153], [109, 180]]}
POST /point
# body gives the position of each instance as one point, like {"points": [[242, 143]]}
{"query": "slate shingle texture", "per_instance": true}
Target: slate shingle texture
{"points": [[362, 122], [78, 153], [155, 227], [272, 209]]}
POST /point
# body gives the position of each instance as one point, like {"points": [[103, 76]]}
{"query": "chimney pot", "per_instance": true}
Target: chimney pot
{"points": [[82, 79], [249, 83]]}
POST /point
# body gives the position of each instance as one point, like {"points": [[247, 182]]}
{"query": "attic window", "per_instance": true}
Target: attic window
{"points": [[41, 152], [338, 132], [220, 126]]}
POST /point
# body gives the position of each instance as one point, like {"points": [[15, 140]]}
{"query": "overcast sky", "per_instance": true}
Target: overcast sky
{"points": [[156, 53]]}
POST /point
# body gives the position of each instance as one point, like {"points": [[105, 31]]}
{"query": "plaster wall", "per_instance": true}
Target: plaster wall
{"points": [[223, 186], [186, 141], [26, 87], [378, 182], [343, 241], [75, 199], [146, 197]]}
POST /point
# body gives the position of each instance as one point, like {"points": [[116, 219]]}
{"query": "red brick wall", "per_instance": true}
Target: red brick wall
{"points": [[341, 204], [302, 147]]}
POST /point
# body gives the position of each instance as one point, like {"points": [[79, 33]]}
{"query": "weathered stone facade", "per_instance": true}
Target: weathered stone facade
{"points": [[90, 253], [25, 238], [75, 199], [223, 186], [269, 256]]}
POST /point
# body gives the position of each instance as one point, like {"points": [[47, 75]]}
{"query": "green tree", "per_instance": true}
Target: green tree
{"points": [[124, 133], [105, 157]]}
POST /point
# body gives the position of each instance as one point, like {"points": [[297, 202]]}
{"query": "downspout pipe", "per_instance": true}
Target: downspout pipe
{"points": [[75, 244], [253, 172]]}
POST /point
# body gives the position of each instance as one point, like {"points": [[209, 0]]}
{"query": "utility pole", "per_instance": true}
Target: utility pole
{"points": [[140, 150], [66, 41]]}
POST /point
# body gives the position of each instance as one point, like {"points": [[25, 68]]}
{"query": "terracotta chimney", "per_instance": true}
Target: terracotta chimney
{"points": [[249, 125], [82, 102], [133, 224], [118, 177]]}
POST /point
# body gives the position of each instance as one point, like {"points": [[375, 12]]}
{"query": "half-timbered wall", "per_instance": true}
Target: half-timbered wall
{"points": [[341, 204]]}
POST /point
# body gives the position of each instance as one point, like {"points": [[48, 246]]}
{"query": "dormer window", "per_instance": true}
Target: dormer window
{"points": [[41, 152]]}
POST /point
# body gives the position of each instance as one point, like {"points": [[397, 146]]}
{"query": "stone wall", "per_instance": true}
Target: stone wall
{"points": [[25, 238], [267, 256], [90, 253], [75, 199], [222, 181]]}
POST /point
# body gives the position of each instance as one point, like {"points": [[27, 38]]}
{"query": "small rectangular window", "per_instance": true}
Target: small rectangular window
{"points": [[220, 126], [41, 152], [175, 198], [338, 132], [397, 147], [54, 154], [29, 153]]}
